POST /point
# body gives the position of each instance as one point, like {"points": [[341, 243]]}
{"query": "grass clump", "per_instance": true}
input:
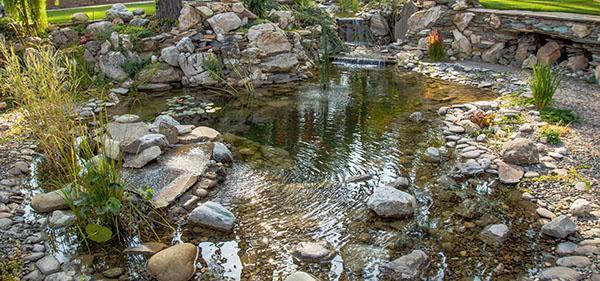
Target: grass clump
{"points": [[136, 33], [258, 7], [515, 100], [543, 84], [552, 136], [213, 65], [436, 47], [567, 6], [11, 266], [558, 116]]}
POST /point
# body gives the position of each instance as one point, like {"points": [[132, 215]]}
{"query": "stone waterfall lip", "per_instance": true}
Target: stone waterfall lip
{"points": [[383, 61]]}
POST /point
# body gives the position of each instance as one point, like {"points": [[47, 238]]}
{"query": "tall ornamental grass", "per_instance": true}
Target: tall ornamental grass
{"points": [[544, 83], [436, 47]]}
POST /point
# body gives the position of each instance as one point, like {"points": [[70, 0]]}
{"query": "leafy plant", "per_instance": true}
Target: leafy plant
{"points": [[544, 83], [436, 47], [136, 33], [552, 136], [258, 7], [31, 13], [213, 65], [349, 5], [558, 116], [135, 65]]}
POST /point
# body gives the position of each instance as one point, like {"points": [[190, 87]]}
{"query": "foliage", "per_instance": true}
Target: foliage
{"points": [[515, 100], [558, 116], [552, 136], [511, 119], [213, 65], [134, 65], [42, 84], [349, 5], [311, 15], [32, 13], [258, 7], [567, 6], [573, 176], [10, 266], [136, 33], [481, 119], [10, 28], [436, 47], [543, 84], [95, 12]]}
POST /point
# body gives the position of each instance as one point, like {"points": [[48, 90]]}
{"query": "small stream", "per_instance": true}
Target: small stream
{"points": [[357, 126]]}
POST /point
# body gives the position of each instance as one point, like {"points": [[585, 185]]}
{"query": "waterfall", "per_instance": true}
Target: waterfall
{"points": [[354, 30]]}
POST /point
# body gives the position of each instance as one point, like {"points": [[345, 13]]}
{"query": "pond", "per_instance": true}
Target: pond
{"points": [[331, 146]]}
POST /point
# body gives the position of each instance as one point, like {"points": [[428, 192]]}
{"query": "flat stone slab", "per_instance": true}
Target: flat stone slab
{"points": [[175, 189]]}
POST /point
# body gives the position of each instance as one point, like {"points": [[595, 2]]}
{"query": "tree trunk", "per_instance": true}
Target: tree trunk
{"points": [[168, 9]]}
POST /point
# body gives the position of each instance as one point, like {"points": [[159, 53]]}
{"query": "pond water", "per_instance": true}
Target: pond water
{"points": [[322, 138]]}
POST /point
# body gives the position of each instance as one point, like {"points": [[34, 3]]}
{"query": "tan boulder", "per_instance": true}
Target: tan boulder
{"points": [[549, 53], [176, 263]]}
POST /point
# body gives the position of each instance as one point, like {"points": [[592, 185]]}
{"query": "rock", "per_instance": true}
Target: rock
{"points": [[169, 131], [400, 183], [176, 188], [401, 26], [170, 55], [416, 117], [529, 62], [408, 267], [5, 223], [525, 128], [158, 74], [127, 118], [581, 30], [280, 63], [379, 25], [560, 227], [64, 37], [494, 21], [461, 44], [113, 272], [212, 215], [165, 119], [285, 19], [508, 173], [111, 65], [471, 167], [139, 12], [176, 263], [79, 18], [432, 154], [146, 141], [48, 265], [221, 153], [597, 74], [111, 149], [200, 134], [462, 20], [59, 276], [560, 273], [185, 45], [389, 202], [580, 207], [225, 22], [520, 151], [189, 17], [424, 19], [269, 39], [100, 27], [574, 261], [205, 11], [545, 213], [549, 53], [314, 251], [577, 63], [493, 54], [61, 218], [150, 248], [300, 276], [48, 202], [119, 11], [192, 65], [494, 234], [470, 127], [141, 159], [139, 22], [35, 275], [565, 248]]}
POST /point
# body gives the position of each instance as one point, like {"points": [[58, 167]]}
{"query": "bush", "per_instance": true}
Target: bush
{"points": [[258, 7], [558, 116], [134, 65], [543, 84], [552, 136], [436, 47], [213, 65], [136, 33]]}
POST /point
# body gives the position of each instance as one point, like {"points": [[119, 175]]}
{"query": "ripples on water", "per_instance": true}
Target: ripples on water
{"points": [[358, 126]]}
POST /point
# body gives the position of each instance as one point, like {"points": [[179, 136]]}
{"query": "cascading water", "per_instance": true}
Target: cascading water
{"points": [[354, 30]]}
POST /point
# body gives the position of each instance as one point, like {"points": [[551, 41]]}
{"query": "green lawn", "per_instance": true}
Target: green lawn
{"points": [[591, 7], [95, 12]]}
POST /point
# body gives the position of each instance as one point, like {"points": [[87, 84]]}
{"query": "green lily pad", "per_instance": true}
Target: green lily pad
{"points": [[98, 233]]}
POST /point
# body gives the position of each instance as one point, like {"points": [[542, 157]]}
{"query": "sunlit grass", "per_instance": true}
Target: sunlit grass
{"points": [[95, 12], [591, 7]]}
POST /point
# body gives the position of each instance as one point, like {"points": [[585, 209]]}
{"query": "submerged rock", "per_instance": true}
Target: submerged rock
{"points": [[560, 273], [221, 153], [560, 227], [300, 276], [389, 202], [409, 267], [494, 234], [314, 251], [176, 263], [61, 218], [48, 265], [212, 215]]}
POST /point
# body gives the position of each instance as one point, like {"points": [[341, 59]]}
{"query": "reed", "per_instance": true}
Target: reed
{"points": [[436, 47], [544, 83]]}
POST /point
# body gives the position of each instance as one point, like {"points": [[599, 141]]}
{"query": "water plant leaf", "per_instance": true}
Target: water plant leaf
{"points": [[114, 205], [98, 233]]}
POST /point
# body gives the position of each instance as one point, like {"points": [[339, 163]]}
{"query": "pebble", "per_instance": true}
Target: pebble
{"points": [[531, 174], [545, 213], [580, 207]]}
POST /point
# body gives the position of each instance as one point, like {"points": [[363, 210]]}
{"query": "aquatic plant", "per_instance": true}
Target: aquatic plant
{"points": [[544, 83], [436, 47], [558, 116], [212, 64]]}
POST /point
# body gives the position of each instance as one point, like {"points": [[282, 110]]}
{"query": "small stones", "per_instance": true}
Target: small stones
{"points": [[48, 265], [314, 251], [456, 129], [545, 213], [470, 154], [560, 273], [408, 267], [494, 234], [581, 186], [560, 227], [580, 207], [565, 248], [432, 154], [574, 261]]}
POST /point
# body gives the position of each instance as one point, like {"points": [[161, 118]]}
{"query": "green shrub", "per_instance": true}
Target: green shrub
{"points": [[258, 7], [558, 116], [136, 33], [213, 65], [543, 84], [135, 65], [436, 47], [552, 136]]}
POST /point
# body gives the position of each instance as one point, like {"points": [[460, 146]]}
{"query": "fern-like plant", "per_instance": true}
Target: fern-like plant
{"points": [[544, 83], [436, 47]]}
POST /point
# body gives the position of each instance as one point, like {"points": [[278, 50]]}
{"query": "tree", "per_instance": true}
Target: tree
{"points": [[32, 13], [168, 9]]}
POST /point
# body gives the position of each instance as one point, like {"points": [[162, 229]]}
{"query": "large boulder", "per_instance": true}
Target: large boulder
{"points": [[549, 53], [269, 39], [221, 153], [144, 142], [493, 53], [285, 19], [520, 151], [119, 11], [192, 64], [170, 55], [424, 19], [577, 63], [408, 267], [389, 202], [461, 44], [159, 73], [64, 37], [48, 202], [401, 26], [560, 227], [189, 17], [508, 173], [101, 27], [212, 215], [560, 273], [280, 63], [225, 22], [379, 25], [176, 263], [110, 65]]}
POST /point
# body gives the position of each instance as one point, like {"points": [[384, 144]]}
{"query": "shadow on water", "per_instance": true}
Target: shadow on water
{"points": [[358, 125]]}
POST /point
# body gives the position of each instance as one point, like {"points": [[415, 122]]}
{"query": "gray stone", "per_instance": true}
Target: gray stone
{"points": [[424, 19], [580, 207], [199, 134], [111, 65], [545, 213], [574, 261], [416, 117], [409, 267], [225, 22], [170, 55], [300, 276], [268, 38], [100, 27], [61, 218], [520, 151], [494, 234], [314, 251], [35, 275], [185, 45], [113, 272], [146, 141], [140, 160], [560, 227], [139, 22], [470, 127], [48, 265], [379, 25], [127, 118], [462, 20], [389, 202], [493, 54], [59, 276], [5, 223], [565, 248], [508, 173], [221, 153], [169, 131], [176, 188], [79, 18], [189, 17], [432, 154], [400, 183], [212, 215]]}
